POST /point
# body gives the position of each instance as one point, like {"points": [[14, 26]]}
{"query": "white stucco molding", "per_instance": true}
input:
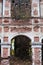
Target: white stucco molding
{"points": [[29, 35], [1, 38]]}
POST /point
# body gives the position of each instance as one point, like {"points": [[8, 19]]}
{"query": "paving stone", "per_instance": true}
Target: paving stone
{"points": [[15, 61]]}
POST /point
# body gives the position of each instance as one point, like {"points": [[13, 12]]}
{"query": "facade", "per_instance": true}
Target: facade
{"points": [[28, 24]]}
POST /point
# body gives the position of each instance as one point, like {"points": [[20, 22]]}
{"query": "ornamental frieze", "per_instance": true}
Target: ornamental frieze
{"points": [[22, 29]]}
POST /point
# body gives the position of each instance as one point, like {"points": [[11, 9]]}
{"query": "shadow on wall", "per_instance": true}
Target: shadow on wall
{"points": [[42, 51]]}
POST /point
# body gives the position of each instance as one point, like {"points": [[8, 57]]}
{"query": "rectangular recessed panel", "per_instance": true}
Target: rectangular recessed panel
{"points": [[21, 9]]}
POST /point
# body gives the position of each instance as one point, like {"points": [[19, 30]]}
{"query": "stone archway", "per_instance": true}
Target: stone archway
{"points": [[21, 47]]}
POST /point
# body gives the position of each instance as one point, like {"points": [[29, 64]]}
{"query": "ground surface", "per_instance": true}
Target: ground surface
{"points": [[15, 61]]}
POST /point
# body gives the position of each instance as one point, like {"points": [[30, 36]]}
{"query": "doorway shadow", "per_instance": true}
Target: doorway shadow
{"points": [[21, 47]]}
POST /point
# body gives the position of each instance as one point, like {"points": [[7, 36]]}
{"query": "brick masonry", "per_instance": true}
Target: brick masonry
{"points": [[6, 12], [0, 29], [7, 4], [37, 55], [23, 29], [6, 21], [5, 52], [5, 39], [29, 28], [6, 29], [41, 29], [36, 29], [0, 21], [36, 39]]}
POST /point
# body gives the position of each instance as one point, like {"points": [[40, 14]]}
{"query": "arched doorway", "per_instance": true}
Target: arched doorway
{"points": [[21, 47], [42, 51], [0, 47]]}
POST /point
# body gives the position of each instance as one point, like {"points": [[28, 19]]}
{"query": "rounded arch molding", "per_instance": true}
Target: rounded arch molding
{"points": [[14, 35]]}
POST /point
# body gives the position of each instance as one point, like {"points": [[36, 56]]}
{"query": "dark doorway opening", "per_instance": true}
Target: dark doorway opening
{"points": [[21, 47], [42, 51], [0, 47], [42, 54]]}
